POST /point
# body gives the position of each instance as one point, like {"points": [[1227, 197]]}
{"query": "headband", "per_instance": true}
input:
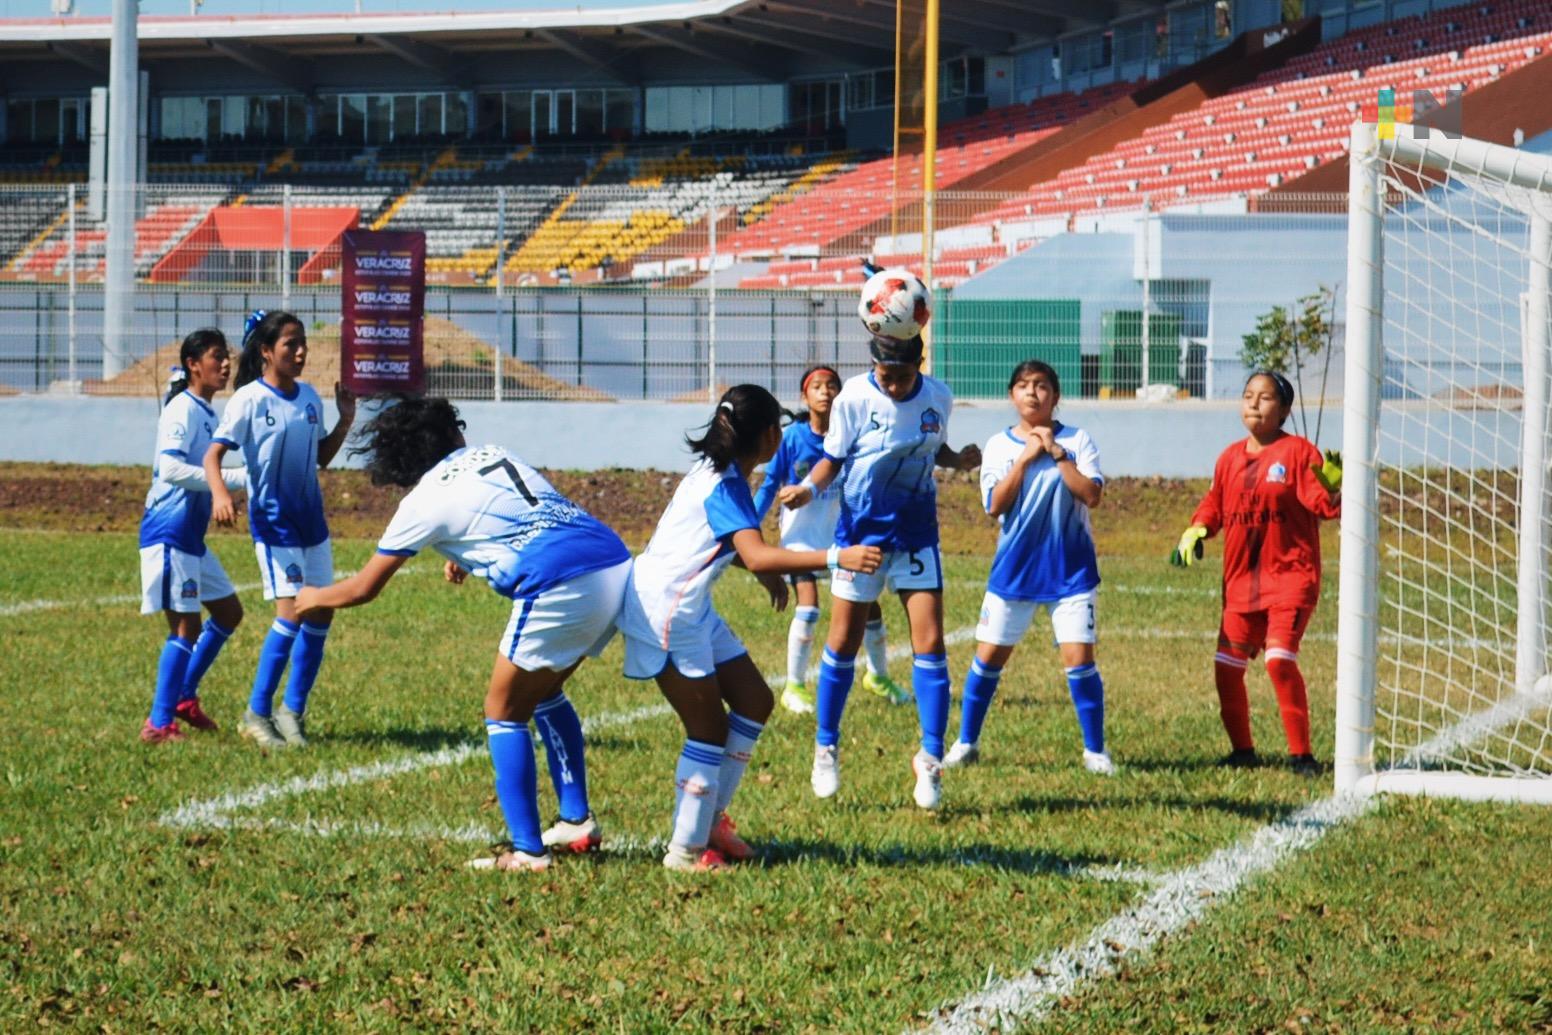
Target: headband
{"points": [[803, 387]]}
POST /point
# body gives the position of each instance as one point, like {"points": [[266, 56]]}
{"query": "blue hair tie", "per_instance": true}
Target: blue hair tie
{"points": [[254, 319]]}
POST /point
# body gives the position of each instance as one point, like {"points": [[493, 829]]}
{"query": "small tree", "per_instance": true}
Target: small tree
{"points": [[1288, 340]]}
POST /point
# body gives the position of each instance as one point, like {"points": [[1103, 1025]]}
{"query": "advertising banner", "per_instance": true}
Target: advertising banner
{"points": [[382, 312]]}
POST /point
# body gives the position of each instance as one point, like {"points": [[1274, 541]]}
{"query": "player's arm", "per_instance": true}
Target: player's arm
{"points": [[329, 445], [761, 558], [1003, 495], [1319, 484], [775, 473], [1205, 523], [818, 480], [360, 588], [222, 509]]}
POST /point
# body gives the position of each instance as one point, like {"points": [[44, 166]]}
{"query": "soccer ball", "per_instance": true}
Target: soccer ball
{"points": [[894, 304]]}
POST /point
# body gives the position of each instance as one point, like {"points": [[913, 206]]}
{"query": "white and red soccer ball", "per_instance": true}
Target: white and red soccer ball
{"points": [[895, 304]]}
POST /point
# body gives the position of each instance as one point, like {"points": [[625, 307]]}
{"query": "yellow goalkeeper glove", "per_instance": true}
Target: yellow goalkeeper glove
{"points": [[1329, 473], [1190, 549]]}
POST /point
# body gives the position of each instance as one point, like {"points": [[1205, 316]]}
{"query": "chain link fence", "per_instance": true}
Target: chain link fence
{"points": [[666, 286]]}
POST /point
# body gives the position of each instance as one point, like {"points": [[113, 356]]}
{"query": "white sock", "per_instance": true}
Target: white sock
{"points": [[695, 796], [876, 646], [800, 643], [742, 733]]}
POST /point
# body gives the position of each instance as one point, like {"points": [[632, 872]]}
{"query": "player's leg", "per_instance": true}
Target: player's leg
{"points": [[276, 564], [1285, 631], [851, 595], [797, 697], [749, 701], [307, 647], [510, 701], [1001, 627], [1073, 623], [698, 702], [930, 680], [226, 614], [875, 647], [169, 583], [1239, 639]]}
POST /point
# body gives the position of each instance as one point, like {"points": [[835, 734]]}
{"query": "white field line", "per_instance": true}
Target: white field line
{"points": [[24, 607], [1183, 897]]}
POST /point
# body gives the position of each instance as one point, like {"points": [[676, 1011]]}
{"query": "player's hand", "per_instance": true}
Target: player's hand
{"points": [[453, 573], [865, 559], [776, 586], [222, 510], [1190, 549], [794, 496], [969, 458], [306, 601], [1041, 442], [345, 400], [1329, 473]]}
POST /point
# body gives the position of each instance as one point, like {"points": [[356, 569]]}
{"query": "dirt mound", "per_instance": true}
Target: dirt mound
{"points": [[1485, 397], [457, 362]]}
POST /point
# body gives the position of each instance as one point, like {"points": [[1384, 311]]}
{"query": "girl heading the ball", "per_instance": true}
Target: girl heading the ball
{"points": [[888, 430], [1269, 493], [1039, 478], [813, 528], [673, 633], [178, 572], [276, 421]]}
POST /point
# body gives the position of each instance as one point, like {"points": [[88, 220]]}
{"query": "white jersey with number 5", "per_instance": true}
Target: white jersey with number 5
{"points": [[500, 519]]}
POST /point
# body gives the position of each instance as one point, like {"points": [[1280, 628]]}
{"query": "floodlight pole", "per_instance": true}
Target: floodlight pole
{"points": [[118, 294]]}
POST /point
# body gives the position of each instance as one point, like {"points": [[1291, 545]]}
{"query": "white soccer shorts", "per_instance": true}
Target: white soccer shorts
{"points": [[286, 569], [696, 651], [566, 623], [171, 580], [902, 570], [1004, 622]]}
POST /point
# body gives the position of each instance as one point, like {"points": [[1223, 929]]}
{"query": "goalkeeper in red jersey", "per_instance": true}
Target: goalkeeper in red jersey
{"points": [[1269, 494]]}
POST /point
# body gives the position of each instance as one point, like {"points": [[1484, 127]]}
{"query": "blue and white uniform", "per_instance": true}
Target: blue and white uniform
{"points": [[1045, 548], [668, 614], [810, 527], [278, 436], [498, 518], [177, 572], [887, 451]]}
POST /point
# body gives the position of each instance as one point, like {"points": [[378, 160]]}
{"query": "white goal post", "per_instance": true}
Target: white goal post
{"points": [[1442, 666]]}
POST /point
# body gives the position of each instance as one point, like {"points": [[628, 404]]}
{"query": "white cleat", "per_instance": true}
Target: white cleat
{"points": [[1098, 762], [574, 837], [929, 780], [512, 860], [826, 777], [961, 754]]}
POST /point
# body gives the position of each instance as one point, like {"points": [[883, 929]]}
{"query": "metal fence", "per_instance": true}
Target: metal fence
{"points": [[663, 288]]}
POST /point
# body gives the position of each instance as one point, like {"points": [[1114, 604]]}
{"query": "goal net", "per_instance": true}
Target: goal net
{"points": [[1443, 649]]}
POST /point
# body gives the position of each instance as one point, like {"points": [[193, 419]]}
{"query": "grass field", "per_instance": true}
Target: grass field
{"points": [[207, 885]]}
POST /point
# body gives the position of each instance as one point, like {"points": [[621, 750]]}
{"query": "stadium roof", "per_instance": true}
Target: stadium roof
{"points": [[759, 37]]}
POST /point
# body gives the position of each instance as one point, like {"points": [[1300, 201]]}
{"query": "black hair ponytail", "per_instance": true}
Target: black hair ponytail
{"points": [[260, 331], [194, 346], [743, 416]]}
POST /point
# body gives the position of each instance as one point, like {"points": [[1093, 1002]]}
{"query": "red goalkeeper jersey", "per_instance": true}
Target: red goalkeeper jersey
{"points": [[1269, 506]]}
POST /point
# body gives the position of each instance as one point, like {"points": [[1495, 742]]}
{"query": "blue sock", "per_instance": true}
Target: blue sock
{"points": [[1088, 699], [561, 730], [929, 678], [211, 639], [169, 679], [980, 688], [306, 658], [517, 782], [273, 656], [835, 675]]}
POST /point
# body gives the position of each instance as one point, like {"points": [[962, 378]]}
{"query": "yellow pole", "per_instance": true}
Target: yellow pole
{"points": [[929, 159]]}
